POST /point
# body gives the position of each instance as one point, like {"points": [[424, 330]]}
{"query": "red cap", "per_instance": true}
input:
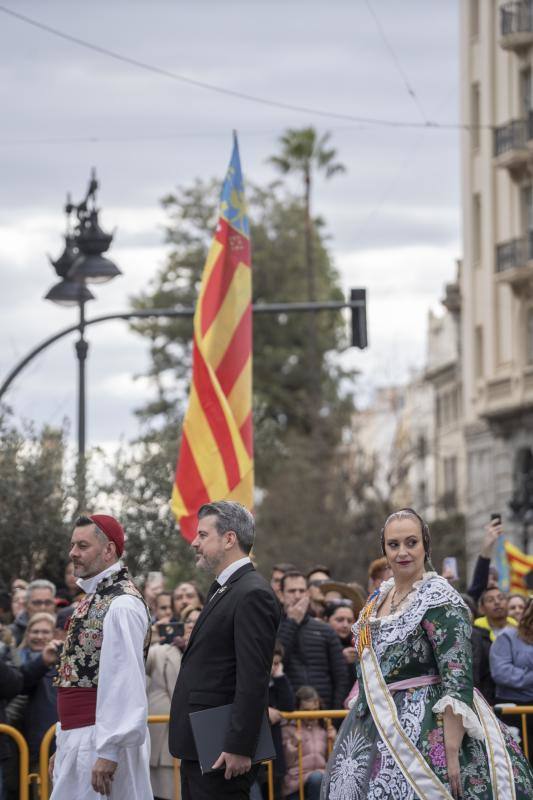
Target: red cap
{"points": [[112, 529]]}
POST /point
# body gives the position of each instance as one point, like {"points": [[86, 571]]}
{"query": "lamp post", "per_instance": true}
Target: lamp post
{"points": [[80, 263]]}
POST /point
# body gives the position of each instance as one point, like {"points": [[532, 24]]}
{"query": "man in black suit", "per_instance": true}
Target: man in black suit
{"points": [[229, 655]]}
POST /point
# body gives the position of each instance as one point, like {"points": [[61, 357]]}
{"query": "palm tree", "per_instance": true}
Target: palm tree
{"points": [[303, 151]]}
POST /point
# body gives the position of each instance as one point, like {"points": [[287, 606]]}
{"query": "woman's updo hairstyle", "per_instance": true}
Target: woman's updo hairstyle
{"points": [[410, 513]]}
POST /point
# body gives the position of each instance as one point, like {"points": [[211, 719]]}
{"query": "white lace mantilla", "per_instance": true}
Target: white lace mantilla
{"points": [[432, 591]]}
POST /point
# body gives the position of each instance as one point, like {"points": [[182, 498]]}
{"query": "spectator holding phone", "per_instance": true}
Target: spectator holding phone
{"points": [[483, 578], [162, 669], [163, 606]]}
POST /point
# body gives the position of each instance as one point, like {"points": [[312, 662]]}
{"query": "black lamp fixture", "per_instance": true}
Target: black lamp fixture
{"points": [[82, 262]]}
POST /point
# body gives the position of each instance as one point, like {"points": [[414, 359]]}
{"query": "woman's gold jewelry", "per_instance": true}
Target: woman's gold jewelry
{"points": [[393, 605]]}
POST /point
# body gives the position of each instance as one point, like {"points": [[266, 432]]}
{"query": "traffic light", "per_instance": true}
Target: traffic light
{"points": [[359, 333]]}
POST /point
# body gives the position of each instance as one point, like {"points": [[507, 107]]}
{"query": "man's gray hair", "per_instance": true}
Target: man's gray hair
{"points": [[231, 516], [40, 584]]}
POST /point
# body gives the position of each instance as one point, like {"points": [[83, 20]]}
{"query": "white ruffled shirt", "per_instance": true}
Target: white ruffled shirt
{"points": [[121, 701]]}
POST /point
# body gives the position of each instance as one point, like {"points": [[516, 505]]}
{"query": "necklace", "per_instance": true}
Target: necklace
{"points": [[394, 606]]}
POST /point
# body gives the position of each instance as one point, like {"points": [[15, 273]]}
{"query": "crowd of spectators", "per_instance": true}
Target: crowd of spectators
{"points": [[314, 662]]}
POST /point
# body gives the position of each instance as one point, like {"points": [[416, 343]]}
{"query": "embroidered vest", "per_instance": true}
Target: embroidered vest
{"points": [[80, 659]]}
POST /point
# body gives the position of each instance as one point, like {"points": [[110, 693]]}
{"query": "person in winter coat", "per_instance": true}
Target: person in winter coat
{"points": [[313, 739], [16, 680], [40, 711], [280, 698], [162, 668], [313, 652]]}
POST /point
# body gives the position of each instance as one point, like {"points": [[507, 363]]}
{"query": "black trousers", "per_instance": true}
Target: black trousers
{"points": [[213, 785]]}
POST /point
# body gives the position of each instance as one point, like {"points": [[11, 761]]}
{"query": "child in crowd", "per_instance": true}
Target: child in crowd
{"points": [[280, 698], [313, 737]]}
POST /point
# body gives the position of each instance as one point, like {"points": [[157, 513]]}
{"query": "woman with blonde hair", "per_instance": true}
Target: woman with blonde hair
{"points": [[39, 712]]}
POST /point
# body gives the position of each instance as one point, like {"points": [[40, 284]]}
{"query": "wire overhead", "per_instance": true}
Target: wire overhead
{"points": [[230, 92], [410, 91]]}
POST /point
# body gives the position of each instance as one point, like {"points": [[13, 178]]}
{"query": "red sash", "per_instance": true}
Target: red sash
{"points": [[76, 707]]}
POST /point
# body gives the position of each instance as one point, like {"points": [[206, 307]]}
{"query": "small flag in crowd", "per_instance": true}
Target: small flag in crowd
{"points": [[520, 565], [216, 455]]}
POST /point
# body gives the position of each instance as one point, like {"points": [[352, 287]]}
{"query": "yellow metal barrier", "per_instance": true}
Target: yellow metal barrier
{"points": [[522, 712], [24, 760], [297, 716], [44, 758]]}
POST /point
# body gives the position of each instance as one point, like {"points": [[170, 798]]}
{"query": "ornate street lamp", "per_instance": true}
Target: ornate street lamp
{"points": [[82, 262]]}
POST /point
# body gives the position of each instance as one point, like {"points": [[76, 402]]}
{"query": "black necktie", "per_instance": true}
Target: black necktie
{"points": [[213, 589]]}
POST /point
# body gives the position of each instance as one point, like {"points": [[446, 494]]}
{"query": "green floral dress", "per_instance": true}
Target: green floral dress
{"points": [[428, 636]]}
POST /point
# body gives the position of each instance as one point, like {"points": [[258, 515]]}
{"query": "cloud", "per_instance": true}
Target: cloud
{"points": [[393, 218]]}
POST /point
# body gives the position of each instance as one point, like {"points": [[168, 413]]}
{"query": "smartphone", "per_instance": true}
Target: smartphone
{"points": [[169, 630], [496, 516], [449, 564]]}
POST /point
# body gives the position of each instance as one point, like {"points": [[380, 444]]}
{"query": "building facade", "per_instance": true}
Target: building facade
{"points": [[497, 272], [444, 374]]}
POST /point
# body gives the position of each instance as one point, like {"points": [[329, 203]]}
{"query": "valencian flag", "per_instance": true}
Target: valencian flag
{"points": [[520, 565], [215, 461]]}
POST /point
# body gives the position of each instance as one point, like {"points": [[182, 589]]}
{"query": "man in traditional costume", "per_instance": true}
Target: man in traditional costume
{"points": [[102, 737]]}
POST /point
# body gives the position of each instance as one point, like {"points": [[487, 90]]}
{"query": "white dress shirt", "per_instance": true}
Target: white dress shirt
{"points": [[226, 574]]}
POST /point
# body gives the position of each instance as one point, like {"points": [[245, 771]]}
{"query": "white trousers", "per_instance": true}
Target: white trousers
{"points": [[75, 757]]}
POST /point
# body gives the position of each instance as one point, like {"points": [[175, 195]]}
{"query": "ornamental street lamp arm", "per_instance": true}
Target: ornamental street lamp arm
{"points": [[260, 308]]}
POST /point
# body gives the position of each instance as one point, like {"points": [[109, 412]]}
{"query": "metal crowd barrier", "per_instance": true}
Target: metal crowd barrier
{"points": [[521, 711], [301, 716], [24, 760], [26, 778], [44, 758]]}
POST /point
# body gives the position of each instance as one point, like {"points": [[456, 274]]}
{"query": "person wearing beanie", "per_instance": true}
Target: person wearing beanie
{"points": [[102, 735]]}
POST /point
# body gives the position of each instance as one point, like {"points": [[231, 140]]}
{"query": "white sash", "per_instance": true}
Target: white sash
{"points": [[500, 767], [409, 759]]}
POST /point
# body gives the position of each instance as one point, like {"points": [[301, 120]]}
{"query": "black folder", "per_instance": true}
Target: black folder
{"points": [[209, 729]]}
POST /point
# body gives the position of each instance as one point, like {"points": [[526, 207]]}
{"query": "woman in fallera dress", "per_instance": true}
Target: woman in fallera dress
{"points": [[417, 730]]}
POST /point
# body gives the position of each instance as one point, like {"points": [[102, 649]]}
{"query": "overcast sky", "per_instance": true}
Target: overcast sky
{"points": [[394, 218]]}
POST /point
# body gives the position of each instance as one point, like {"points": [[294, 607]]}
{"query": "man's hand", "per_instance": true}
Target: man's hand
{"points": [[349, 654], [492, 531], [51, 762], [235, 764], [51, 652], [298, 611], [102, 775], [274, 715]]}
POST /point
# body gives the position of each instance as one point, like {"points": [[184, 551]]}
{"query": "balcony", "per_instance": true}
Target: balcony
{"points": [[514, 263], [516, 25], [511, 144]]}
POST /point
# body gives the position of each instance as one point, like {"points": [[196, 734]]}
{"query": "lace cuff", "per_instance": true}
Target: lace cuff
{"points": [[471, 723]]}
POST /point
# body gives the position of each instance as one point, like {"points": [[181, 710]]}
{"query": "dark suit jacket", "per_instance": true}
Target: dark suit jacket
{"points": [[228, 660]]}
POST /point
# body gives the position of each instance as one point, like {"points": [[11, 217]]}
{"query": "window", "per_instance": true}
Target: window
{"points": [[478, 351], [525, 92], [450, 474], [476, 229], [529, 336], [475, 115]]}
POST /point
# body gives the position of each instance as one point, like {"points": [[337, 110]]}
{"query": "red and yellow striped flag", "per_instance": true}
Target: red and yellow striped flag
{"points": [[216, 455], [520, 565]]}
